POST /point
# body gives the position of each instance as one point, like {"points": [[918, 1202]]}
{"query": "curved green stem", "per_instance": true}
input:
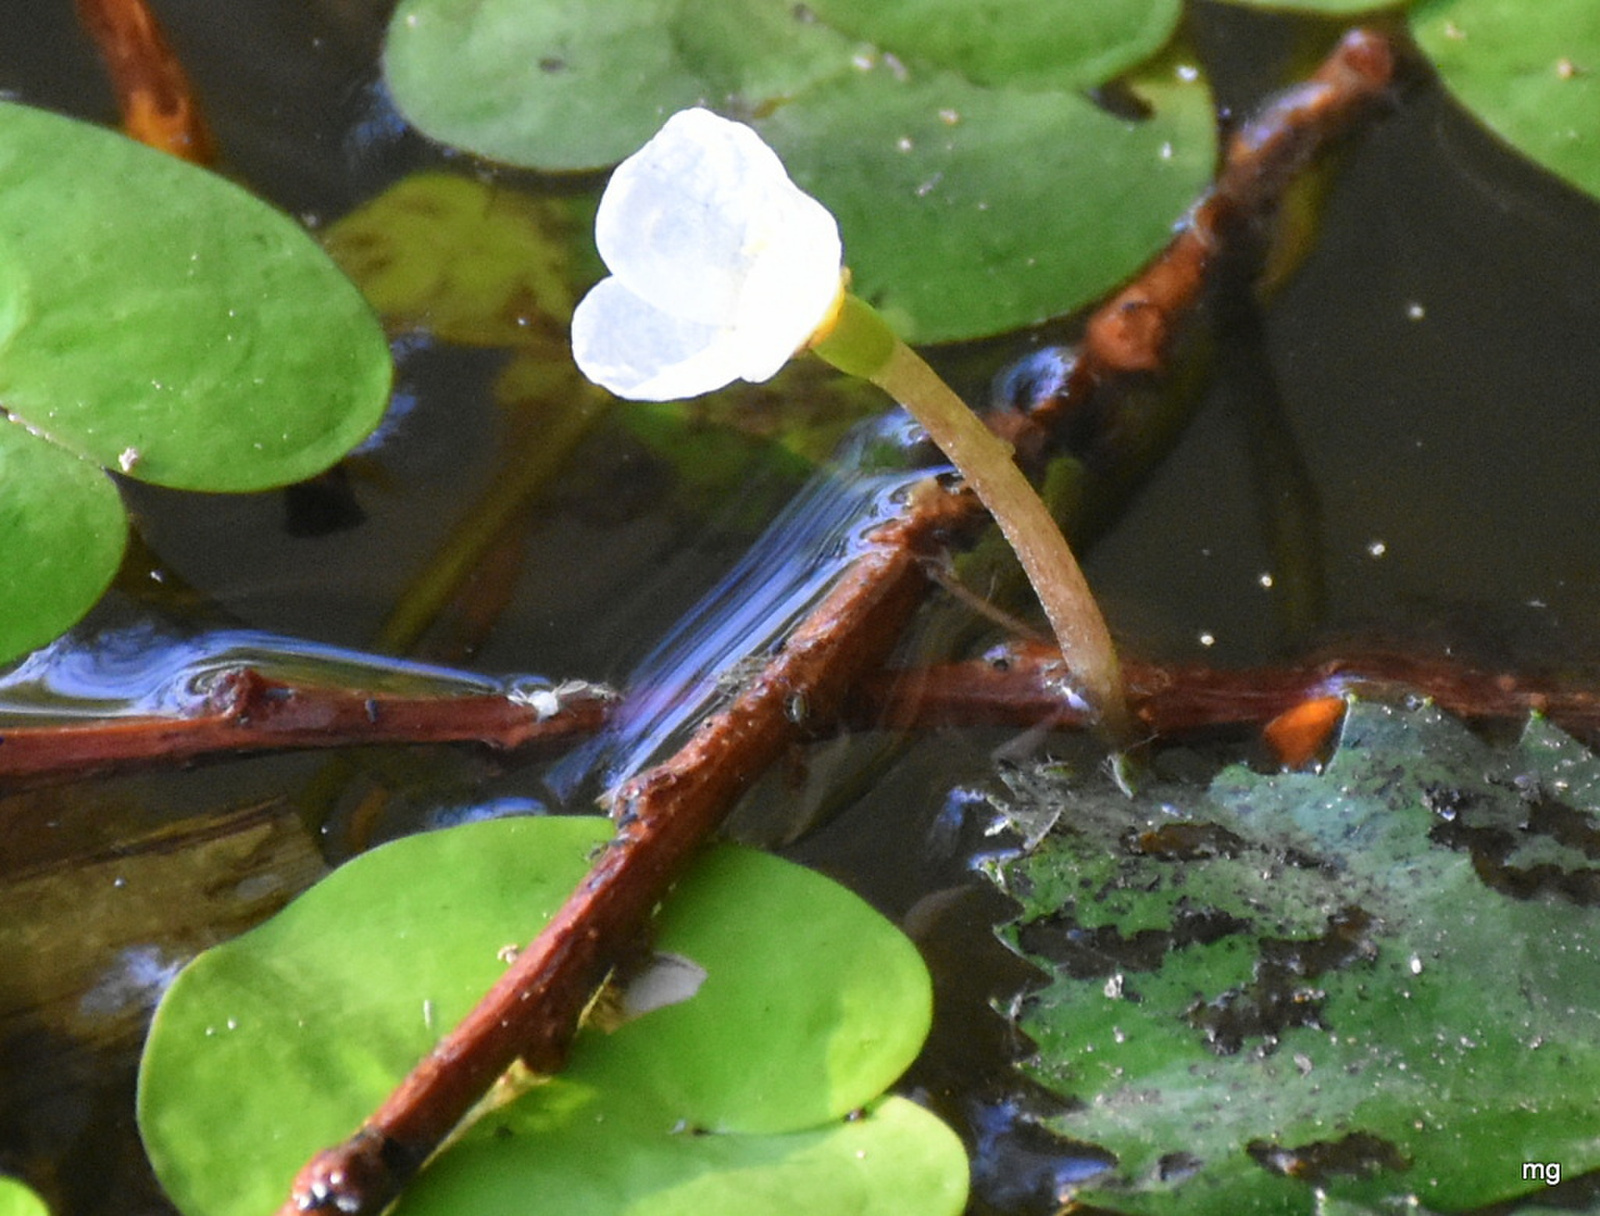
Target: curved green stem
{"points": [[862, 344]]}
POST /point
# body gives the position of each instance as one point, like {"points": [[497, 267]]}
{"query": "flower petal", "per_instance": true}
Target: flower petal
{"points": [[790, 287], [630, 347], [685, 220]]}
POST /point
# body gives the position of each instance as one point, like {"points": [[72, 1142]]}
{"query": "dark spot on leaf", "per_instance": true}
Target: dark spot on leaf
{"points": [[1447, 804], [552, 63], [1565, 824], [1261, 1009], [1346, 941], [1357, 1155], [1177, 1167], [1491, 841], [1091, 953], [1278, 998], [1302, 860], [1185, 842], [1088, 953]]}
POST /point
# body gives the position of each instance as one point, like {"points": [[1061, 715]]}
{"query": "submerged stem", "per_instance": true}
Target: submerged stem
{"points": [[863, 345]]}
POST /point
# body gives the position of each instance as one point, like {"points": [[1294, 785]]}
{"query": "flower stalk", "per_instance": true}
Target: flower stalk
{"points": [[861, 343]]}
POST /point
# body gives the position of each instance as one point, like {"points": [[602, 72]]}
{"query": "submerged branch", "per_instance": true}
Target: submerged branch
{"points": [[1023, 685], [243, 710], [153, 91], [665, 813]]}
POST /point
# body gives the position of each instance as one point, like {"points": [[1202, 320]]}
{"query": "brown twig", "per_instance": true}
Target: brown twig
{"points": [[243, 710], [1024, 685], [153, 91], [663, 814]]}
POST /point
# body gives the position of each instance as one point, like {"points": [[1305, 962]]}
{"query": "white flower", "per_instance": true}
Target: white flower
{"points": [[722, 268]]}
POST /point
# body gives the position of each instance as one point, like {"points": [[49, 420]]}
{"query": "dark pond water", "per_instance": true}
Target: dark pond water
{"points": [[1435, 359]]}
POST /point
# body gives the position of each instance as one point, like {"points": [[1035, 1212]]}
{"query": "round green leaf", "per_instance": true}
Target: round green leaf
{"points": [[18, 1199], [62, 530], [281, 1041], [160, 320], [977, 186], [1529, 72], [1047, 44], [792, 1026], [897, 1159], [968, 210], [579, 84]]}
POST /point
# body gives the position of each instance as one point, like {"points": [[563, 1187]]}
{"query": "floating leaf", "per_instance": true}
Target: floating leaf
{"points": [[580, 86], [1377, 981], [473, 262], [162, 321], [62, 529], [895, 1159], [1529, 72], [158, 320], [1048, 44], [977, 190], [280, 1042], [968, 210], [16, 1199]]}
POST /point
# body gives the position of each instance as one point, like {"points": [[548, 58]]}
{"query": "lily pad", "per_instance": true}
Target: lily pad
{"points": [[969, 210], [983, 191], [280, 1042], [1049, 44], [62, 529], [1529, 72], [1374, 982], [895, 1158], [160, 321], [16, 1199]]}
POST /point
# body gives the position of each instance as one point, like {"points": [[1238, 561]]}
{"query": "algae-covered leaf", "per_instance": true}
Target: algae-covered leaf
{"points": [[279, 1042], [1375, 982], [1529, 72], [978, 186]]}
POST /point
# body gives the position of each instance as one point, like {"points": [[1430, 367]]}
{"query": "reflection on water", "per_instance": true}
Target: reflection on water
{"points": [[153, 668], [717, 645]]}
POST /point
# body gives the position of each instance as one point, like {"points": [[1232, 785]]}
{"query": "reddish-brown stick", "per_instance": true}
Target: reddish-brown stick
{"points": [[1025, 685], [245, 711], [153, 91], [1019, 685], [664, 814]]}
